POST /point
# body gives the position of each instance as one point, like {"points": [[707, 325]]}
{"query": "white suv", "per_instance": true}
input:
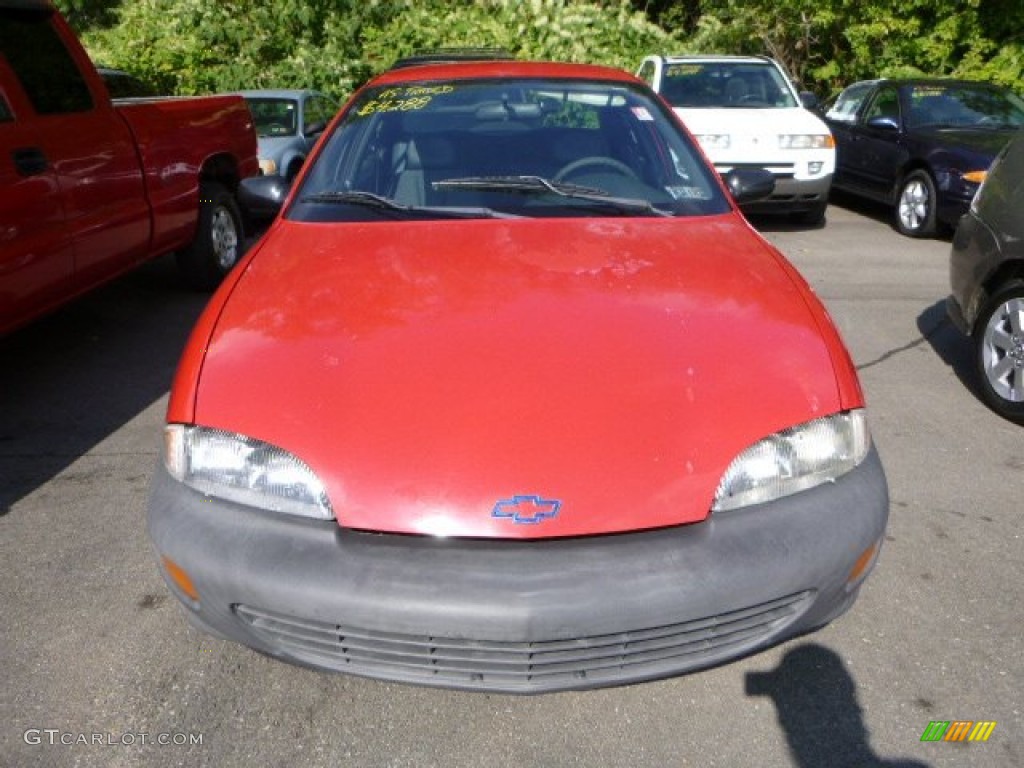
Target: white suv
{"points": [[746, 113]]}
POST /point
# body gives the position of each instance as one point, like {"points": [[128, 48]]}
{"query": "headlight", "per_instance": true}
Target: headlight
{"points": [[795, 459], [244, 470], [806, 141], [714, 140], [268, 166]]}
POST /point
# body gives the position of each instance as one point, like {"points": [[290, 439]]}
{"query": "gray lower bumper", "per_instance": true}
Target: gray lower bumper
{"points": [[793, 196], [521, 616]]}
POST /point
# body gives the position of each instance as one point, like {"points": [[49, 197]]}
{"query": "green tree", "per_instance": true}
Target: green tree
{"points": [[86, 14], [829, 43], [199, 46], [611, 33]]}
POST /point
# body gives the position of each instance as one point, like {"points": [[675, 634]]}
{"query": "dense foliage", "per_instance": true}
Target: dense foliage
{"points": [[195, 46]]}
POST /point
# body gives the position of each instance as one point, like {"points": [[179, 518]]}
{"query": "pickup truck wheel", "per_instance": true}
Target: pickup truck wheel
{"points": [[218, 242]]}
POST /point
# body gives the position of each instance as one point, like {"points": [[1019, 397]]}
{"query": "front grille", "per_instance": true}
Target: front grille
{"points": [[778, 170], [524, 666]]}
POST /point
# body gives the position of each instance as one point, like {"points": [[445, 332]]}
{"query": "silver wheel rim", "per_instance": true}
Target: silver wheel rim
{"points": [[1002, 350], [225, 239], [914, 203]]}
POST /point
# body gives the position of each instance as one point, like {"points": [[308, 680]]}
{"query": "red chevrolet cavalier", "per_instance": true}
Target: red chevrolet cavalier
{"points": [[511, 397]]}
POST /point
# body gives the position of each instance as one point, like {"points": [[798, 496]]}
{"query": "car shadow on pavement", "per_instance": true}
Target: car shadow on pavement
{"points": [[880, 212], [780, 222], [816, 702], [72, 379], [952, 347]]}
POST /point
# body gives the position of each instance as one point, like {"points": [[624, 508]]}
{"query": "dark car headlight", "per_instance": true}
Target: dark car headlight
{"points": [[816, 452], [244, 470]]}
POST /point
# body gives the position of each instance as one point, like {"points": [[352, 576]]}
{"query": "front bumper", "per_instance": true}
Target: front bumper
{"points": [[793, 195], [521, 617], [975, 256]]}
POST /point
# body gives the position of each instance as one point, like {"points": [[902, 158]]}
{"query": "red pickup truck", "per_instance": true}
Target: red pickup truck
{"points": [[91, 187]]}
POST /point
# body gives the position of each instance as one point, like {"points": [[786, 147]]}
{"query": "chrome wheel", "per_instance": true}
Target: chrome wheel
{"points": [[224, 235], [915, 205], [1002, 350], [219, 240]]}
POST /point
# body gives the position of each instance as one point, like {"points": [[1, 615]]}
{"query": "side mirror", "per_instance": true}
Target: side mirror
{"points": [[884, 123], [749, 184], [809, 100], [261, 197]]}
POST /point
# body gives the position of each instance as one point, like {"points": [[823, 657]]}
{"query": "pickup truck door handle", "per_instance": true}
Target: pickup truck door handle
{"points": [[29, 161]]}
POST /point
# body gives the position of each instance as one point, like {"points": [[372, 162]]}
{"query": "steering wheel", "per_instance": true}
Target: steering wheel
{"points": [[594, 161], [750, 98]]}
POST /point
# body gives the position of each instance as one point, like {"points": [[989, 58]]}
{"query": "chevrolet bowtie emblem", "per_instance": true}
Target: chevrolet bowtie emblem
{"points": [[526, 510]]}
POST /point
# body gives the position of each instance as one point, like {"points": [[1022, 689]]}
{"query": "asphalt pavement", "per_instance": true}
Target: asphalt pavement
{"points": [[99, 668]]}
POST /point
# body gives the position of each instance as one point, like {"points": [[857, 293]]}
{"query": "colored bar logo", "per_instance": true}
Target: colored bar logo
{"points": [[958, 730]]}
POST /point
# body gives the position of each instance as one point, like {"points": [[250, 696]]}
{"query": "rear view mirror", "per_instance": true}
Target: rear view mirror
{"points": [[261, 197], [884, 122], [749, 184]]}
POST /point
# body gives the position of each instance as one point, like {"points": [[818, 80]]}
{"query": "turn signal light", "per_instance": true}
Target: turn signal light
{"points": [[180, 578], [863, 565]]}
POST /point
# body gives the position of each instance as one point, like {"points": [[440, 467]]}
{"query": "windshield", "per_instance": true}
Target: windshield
{"points": [[506, 147], [962, 105], [274, 117], [714, 85]]}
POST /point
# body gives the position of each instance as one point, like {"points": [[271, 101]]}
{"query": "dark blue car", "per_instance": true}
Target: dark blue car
{"points": [[921, 145]]}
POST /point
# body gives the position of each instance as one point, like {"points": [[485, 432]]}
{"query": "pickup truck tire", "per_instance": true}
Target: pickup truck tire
{"points": [[218, 243]]}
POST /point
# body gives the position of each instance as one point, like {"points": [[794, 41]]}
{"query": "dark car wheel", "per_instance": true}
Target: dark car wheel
{"points": [[915, 205], [293, 170], [218, 242], [999, 343]]}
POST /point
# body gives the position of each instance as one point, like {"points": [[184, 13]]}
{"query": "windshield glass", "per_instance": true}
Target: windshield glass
{"points": [[963, 105], [714, 85], [274, 117], [506, 147]]}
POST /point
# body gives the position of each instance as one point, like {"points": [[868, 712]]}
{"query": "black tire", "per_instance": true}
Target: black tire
{"points": [[812, 217], [293, 170], [999, 351], [915, 205], [219, 239]]}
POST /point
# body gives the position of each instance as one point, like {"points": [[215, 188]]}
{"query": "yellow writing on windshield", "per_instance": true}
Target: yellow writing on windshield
{"points": [[404, 99]]}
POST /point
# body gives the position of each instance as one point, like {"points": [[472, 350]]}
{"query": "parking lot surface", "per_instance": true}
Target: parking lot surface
{"points": [[99, 668]]}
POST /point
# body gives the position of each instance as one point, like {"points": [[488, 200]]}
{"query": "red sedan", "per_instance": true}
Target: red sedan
{"points": [[511, 397]]}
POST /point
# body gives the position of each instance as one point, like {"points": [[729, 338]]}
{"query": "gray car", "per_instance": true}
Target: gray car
{"points": [[987, 278], [288, 123]]}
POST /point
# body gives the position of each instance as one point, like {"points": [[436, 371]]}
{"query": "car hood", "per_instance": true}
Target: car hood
{"points": [[516, 378], [752, 122], [269, 146]]}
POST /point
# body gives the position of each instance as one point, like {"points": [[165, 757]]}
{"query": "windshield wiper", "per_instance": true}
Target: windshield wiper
{"points": [[539, 185], [373, 200]]}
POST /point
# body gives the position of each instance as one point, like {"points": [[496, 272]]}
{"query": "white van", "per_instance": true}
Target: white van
{"points": [[746, 113]]}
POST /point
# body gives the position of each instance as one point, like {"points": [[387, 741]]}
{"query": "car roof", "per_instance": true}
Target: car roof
{"points": [[719, 58], [898, 81], [278, 93], [485, 70]]}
